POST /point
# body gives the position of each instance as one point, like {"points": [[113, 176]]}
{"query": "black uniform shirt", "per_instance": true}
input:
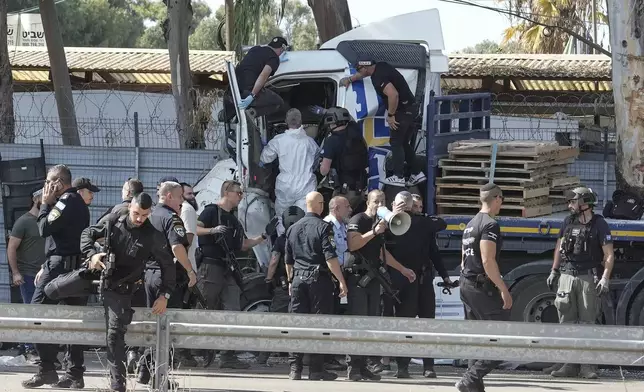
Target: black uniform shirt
{"points": [[309, 243], [213, 216], [253, 64], [166, 220], [132, 247], [279, 250], [385, 74], [481, 227], [117, 209], [63, 223], [333, 147], [372, 251], [418, 245], [600, 234]]}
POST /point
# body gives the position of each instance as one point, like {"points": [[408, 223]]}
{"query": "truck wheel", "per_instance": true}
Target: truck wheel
{"points": [[533, 301], [636, 313]]}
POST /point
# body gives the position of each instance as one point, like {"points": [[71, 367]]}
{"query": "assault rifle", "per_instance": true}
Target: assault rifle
{"points": [[109, 261], [380, 274], [232, 265]]}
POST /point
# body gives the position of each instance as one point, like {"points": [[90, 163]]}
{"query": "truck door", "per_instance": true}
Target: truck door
{"points": [[241, 147]]}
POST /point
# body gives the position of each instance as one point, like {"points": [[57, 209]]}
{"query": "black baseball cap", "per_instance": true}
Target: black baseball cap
{"points": [[278, 42], [85, 183], [168, 178], [364, 61]]}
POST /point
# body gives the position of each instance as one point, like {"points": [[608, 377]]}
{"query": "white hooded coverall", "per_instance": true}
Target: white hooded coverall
{"points": [[298, 154]]}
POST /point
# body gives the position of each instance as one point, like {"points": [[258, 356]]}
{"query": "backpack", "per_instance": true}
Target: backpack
{"points": [[355, 156], [624, 205]]}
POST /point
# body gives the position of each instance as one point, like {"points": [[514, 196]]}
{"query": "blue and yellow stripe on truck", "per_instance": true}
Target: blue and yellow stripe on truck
{"points": [[547, 228]]}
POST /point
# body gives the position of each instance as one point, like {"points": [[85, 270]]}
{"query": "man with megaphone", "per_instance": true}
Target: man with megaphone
{"points": [[365, 268]]}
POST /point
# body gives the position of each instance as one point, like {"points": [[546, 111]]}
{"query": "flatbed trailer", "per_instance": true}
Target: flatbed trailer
{"points": [[528, 243]]}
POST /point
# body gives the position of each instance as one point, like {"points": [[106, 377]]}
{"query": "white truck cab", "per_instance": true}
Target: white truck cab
{"points": [[413, 43]]}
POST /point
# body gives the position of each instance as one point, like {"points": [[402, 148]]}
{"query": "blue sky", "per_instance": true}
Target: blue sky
{"points": [[462, 25]]}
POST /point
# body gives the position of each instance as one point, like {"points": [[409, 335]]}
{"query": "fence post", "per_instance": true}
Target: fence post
{"points": [[162, 355], [136, 144], [605, 165]]}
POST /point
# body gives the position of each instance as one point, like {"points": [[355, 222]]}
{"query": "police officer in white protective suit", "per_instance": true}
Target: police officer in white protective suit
{"points": [[298, 156]]}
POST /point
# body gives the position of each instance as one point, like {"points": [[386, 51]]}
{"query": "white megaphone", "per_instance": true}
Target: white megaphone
{"points": [[398, 223]]}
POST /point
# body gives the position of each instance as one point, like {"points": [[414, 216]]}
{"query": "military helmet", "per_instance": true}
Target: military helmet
{"points": [[582, 193], [291, 215], [336, 116]]}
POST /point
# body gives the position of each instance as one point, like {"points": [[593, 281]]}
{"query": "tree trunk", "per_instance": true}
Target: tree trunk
{"points": [[7, 121], [59, 74], [332, 17], [179, 20], [230, 20], [626, 24]]}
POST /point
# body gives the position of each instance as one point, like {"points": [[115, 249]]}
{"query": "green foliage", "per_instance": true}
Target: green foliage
{"points": [[490, 47]]}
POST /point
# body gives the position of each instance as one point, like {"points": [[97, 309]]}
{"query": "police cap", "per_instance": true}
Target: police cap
{"points": [[364, 60], [278, 42], [85, 183], [291, 215]]}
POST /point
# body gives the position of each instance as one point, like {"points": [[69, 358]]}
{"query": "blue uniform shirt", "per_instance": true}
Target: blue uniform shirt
{"points": [[340, 236]]}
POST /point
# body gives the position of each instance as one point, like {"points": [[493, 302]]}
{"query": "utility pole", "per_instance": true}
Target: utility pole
{"points": [[230, 20], [593, 18], [626, 23], [59, 74], [7, 119], [180, 18]]}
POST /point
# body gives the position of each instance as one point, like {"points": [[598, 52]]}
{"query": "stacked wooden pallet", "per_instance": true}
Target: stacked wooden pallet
{"points": [[528, 172], [558, 187]]}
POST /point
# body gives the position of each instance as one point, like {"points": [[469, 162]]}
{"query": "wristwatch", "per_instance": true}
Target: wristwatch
{"points": [[166, 295], [391, 115]]}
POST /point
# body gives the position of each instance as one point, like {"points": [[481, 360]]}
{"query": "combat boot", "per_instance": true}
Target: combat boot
{"points": [[588, 371], [567, 370], [552, 368], [322, 376]]}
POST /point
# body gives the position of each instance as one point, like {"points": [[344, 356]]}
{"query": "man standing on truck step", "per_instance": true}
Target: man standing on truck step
{"points": [[345, 152], [220, 236], [483, 291], [298, 156], [417, 250], [62, 218], [260, 63], [392, 87], [311, 260], [133, 240], [366, 243], [583, 262]]}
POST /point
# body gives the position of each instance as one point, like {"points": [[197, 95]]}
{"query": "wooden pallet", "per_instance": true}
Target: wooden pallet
{"points": [[558, 207], [508, 190], [506, 210], [464, 179], [568, 182], [525, 150], [518, 164], [515, 201], [501, 173]]}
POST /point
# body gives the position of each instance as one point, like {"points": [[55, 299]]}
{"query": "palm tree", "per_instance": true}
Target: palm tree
{"points": [[531, 16]]}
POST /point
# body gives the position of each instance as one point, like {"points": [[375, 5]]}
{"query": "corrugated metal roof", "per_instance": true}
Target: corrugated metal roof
{"points": [[119, 60], [552, 66], [451, 83]]}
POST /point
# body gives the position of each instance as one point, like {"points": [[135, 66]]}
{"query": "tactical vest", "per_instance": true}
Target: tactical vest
{"points": [[577, 246], [354, 159]]}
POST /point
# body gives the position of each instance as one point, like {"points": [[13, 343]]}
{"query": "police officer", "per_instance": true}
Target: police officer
{"points": [[131, 188], [392, 87], [165, 219], [584, 248], [220, 235], [366, 244], [276, 278], [345, 152], [63, 216], [310, 261], [133, 240], [483, 292], [417, 250]]}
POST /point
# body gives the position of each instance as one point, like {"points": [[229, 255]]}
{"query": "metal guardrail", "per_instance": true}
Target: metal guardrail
{"points": [[459, 339]]}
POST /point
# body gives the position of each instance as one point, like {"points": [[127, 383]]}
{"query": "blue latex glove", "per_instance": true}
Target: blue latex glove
{"points": [[244, 103], [283, 57]]}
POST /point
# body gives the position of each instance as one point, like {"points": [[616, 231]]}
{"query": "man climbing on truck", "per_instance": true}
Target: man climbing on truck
{"points": [[392, 87]]}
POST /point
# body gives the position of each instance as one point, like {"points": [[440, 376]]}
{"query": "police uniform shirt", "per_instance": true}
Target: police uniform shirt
{"points": [[309, 242], [132, 246], [279, 249], [415, 247], [372, 250], [253, 64], [385, 74], [481, 227], [213, 216], [340, 237], [63, 223], [117, 209], [600, 234], [333, 146], [167, 221]]}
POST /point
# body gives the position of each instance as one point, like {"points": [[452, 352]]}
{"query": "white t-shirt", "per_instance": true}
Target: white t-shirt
{"points": [[189, 217]]}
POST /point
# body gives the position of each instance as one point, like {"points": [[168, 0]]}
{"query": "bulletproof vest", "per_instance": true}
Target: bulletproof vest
{"points": [[354, 159], [576, 245], [624, 205]]}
